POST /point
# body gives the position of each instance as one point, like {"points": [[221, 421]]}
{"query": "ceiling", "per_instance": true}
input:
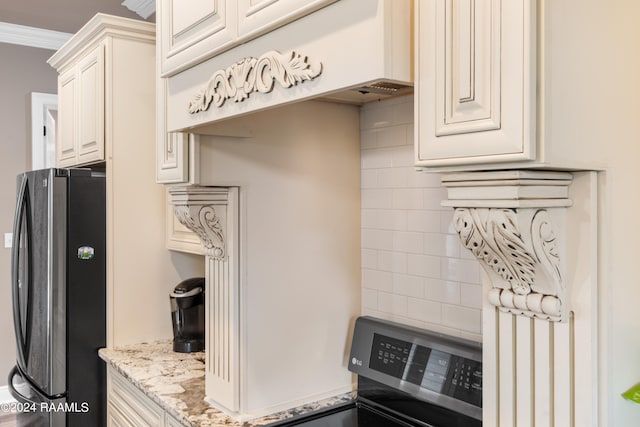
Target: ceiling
{"points": [[61, 15]]}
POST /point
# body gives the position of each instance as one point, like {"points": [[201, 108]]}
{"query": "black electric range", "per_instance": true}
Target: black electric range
{"points": [[407, 377]]}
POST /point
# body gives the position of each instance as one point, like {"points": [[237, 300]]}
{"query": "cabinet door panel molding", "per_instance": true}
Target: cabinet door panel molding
{"points": [[476, 61]]}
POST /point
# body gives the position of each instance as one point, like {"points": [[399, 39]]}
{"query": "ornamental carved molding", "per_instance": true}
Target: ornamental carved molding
{"points": [[518, 250], [203, 221], [509, 220], [203, 210], [252, 74]]}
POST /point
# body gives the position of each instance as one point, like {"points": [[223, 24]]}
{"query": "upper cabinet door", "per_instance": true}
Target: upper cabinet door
{"points": [[475, 99], [193, 30], [91, 106], [260, 16], [81, 111], [66, 144]]}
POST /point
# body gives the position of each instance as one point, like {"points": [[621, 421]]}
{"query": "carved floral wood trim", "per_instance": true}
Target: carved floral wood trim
{"points": [[509, 220], [203, 221], [519, 252], [203, 210], [251, 74]]}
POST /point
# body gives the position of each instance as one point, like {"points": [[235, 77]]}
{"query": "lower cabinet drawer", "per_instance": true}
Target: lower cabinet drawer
{"points": [[116, 419], [172, 422], [128, 406]]}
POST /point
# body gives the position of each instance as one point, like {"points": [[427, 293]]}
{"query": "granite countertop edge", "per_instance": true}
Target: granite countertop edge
{"points": [[175, 381]]}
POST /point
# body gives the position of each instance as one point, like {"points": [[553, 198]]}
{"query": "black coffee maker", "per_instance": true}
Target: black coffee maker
{"points": [[187, 313]]}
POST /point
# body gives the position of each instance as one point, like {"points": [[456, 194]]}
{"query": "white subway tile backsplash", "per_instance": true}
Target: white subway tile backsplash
{"points": [[392, 220], [374, 118], [392, 178], [461, 270], [377, 239], [412, 286], [368, 139], [442, 291], [396, 262], [392, 136], [376, 159], [423, 310], [369, 298], [453, 247], [369, 218], [392, 303], [446, 222], [407, 241], [414, 268], [375, 198], [471, 295], [434, 243], [423, 265], [433, 198], [403, 113], [407, 198], [417, 179], [467, 319], [377, 280], [424, 221], [402, 156], [369, 258], [369, 178]]}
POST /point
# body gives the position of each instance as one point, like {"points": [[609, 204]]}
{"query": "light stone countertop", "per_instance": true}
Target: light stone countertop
{"points": [[175, 381]]}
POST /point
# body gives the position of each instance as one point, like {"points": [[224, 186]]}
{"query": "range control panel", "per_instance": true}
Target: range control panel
{"points": [[438, 368], [435, 370]]}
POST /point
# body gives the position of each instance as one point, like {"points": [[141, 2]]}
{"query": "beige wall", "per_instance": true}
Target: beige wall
{"points": [[23, 70], [61, 15]]}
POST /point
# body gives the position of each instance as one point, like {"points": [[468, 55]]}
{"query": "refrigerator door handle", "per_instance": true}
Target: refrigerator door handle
{"points": [[22, 338], [20, 398], [15, 393]]}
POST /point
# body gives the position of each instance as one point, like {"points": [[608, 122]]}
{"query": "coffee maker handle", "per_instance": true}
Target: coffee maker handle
{"points": [[192, 292]]}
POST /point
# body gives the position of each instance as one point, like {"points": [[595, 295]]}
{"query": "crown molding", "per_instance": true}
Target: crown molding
{"points": [[144, 8], [32, 37]]}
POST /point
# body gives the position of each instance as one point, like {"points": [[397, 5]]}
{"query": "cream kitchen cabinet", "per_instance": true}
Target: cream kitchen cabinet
{"points": [[200, 29], [176, 156], [172, 154], [81, 119], [127, 406], [139, 267], [176, 152], [95, 84], [257, 17], [488, 91], [476, 92]]}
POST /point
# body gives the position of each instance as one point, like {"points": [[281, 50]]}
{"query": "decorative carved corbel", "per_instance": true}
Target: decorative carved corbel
{"points": [[510, 222], [251, 74], [203, 210]]}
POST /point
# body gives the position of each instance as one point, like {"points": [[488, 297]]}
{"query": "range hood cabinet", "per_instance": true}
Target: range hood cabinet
{"points": [[352, 51]]}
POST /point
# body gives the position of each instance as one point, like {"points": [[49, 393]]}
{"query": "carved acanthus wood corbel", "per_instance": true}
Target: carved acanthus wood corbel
{"points": [[512, 227], [203, 210]]}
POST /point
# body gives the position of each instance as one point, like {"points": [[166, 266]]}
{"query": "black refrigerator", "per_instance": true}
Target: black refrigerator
{"points": [[59, 298]]}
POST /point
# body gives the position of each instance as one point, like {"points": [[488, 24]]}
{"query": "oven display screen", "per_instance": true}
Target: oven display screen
{"points": [[431, 369]]}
